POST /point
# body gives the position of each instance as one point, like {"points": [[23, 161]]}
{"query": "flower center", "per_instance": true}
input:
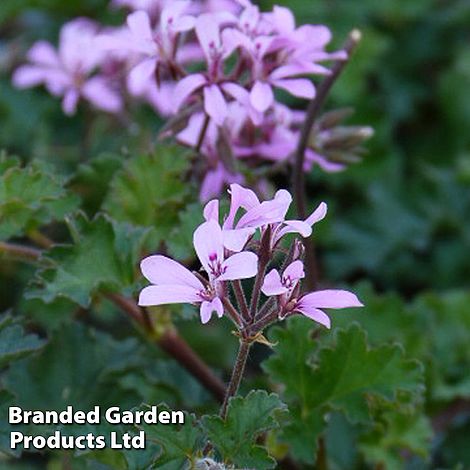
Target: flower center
{"points": [[215, 266]]}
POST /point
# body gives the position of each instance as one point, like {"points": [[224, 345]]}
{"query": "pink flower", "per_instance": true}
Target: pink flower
{"points": [[66, 72], [215, 51], [284, 286], [157, 47], [256, 214], [302, 227], [310, 305], [173, 283]]}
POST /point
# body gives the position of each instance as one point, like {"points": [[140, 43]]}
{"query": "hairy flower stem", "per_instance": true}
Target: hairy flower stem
{"points": [[263, 322], [237, 375], [263, 260], [241, 299], [298, 178], [232, 312]]}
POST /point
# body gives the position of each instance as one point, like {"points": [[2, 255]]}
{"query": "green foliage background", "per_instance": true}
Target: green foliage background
{"points": [[387, 387]]}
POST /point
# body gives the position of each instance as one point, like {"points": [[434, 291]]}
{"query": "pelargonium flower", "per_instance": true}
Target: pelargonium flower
{"points": [[215, 52], [158, 47], [173, 283], [285, 288], [256, 214], [67, 71]]}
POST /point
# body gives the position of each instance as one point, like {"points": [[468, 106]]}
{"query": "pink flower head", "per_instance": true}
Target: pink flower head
{"points": [[66, 72], [310, 305], [256, 214], [173, 283], [211, 83], [302, 227], [156, 46], [275, 284]]}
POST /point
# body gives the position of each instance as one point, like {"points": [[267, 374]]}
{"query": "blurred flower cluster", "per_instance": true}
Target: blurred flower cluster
{"points": [[243, 247], [215, 69]]}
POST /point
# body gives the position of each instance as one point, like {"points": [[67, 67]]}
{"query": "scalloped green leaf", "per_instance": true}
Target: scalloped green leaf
{"points": [[14, 342], [179, 443], [30, 197], [395, 433], [104, 255], [235, 437], [150, 191], [346, 377], [6, 400], [77, 367]]}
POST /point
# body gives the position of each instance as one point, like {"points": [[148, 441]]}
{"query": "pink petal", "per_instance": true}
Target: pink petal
{"points": [[43, 53], [28, 76], [283, 19], [330, 298], [300, 87], [139, 78], [291, 70], [207, 32], [267, 212], [235, 240], [212, 184], [214, 104], [186, 87], [261, 96], [70, 101], [173, 10], [232, 38], [239, 266], [272, 284], [240, 198], [318, 214], [207, 308], [323, 163], [294, 271], [294, 226], [208, 243], [185, 23], [313, 36], [211, 210], [139, 24], [316, 315], [168, 294], [161, 270], [190, 135], [97, 91], [304, 228]]}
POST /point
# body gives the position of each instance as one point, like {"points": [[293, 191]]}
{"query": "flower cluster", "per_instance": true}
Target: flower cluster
{"points": [[243, 246], [213, 67]]}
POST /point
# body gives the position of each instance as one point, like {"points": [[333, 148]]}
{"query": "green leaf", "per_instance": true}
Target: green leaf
{"points": [[247, 418], [104, 255], [150, 191], [178, 442], [14, 343], [77, 367], [346, 377], [6, 400], [395, 433], [92, 180], [30, 197]]}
